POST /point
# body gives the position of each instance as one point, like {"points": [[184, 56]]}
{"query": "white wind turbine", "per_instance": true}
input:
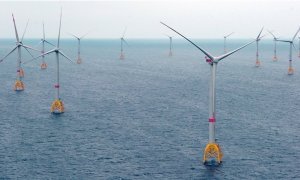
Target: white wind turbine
{"points": [[79, 60], [170, 45], [212, 152], [291, 42], [19, 84], [258, 38], [122, 55], [43, 41], [225, 38], [275, 46], [57, 106]]}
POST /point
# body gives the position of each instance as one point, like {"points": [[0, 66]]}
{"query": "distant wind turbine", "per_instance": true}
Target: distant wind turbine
{"points": [[79, 60], [19, 84], [258, 38], [212, 152], [290, 69], [43, 41], [225, 38], [57, 106], [171, 45], [122, 55], [275, 46]]}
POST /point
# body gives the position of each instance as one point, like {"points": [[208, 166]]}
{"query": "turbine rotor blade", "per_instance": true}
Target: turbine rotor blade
{"points": [[30, 48], [272, 34], [51, 51], [49, 43], [61, 53], [74, 35], [283, 40], [229, 34], [17, 36], [84, 35], [43, 31], [125, 41], [296, 34], [259, 33], [28, 52], [205, 52], [9, 53], [59, 28], [231, 52], [25, 30]]}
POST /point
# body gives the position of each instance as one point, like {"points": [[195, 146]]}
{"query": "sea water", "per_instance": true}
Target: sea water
{"points": [[146, 117]]}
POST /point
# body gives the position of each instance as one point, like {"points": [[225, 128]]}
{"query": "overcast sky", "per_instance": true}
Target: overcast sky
{"points": [[195, 19]]}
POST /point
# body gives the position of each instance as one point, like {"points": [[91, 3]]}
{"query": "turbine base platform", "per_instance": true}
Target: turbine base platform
{"points": [[212, 154], [44, 65], [19, 86], [275, 58], [290, 71], [20, 72], [257, 63], [79, 61], [122, 56], [57, 106]]}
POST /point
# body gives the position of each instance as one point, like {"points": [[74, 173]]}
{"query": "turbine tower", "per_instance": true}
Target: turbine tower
{"points": [[171, 45], [225, 38], [275, 46], [212, 151], [122, 55], [43, 41], [258, 38], [79, 60], [57, 106], [290, 69], [19, 84]]}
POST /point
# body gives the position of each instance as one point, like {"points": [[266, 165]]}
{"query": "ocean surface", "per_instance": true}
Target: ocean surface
{"points": [[146, 117]]}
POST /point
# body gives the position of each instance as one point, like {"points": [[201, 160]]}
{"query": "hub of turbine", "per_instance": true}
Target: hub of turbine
{"points": [[43, 65], [212, 154], [290, 71], [20, 72], [257, 63], [19, 85], [79, 61], [57, 106]]}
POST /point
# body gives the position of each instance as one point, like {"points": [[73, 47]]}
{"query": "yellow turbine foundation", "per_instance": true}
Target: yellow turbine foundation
{"points": [[79, 61], [57, 106], [212, 151], [43, 65], [274, 58], [290, 71], [21, 72], [19, 86], [257, 63]]}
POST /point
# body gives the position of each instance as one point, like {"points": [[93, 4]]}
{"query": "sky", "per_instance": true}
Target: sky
{"points": [[108, 19]]}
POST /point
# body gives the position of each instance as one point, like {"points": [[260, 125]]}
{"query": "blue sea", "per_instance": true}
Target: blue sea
{"points": [[146, 117]]}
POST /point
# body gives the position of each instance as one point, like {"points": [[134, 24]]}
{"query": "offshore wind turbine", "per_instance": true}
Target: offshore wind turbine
{"points": [[122, 55], [225, 38], [170, 45], [43, 41], [275, 46], [19, 84], [212, 151], [291, 42], [57, 106], [79, 60], [258, 38]]}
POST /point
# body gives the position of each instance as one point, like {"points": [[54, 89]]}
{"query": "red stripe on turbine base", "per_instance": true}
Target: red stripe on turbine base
{"points": [[212, 119], [18, 70], [56, 86]]}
